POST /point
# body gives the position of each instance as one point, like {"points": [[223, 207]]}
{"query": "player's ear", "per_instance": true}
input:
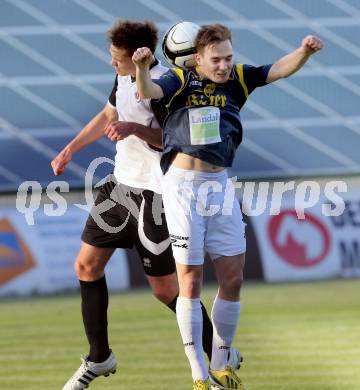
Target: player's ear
{"points": [[197, 57]]}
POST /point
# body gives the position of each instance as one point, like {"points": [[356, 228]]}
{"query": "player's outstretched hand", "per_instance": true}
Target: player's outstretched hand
{"points": [[142, 57], [116, 131], [312, 44], [59, 163]]}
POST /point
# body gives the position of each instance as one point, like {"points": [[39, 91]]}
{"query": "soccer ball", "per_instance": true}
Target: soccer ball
{"points": [[178, 44]]}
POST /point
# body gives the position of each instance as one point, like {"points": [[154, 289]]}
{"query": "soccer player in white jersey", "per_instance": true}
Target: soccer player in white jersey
{"points": [[201, 134], [137, 183]]}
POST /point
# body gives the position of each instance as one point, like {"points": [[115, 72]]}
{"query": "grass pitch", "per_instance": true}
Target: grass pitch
{"points": [[302, 336]]}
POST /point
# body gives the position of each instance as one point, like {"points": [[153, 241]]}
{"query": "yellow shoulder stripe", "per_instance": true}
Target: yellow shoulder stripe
{"points": [[180, 74], [240, 72]]}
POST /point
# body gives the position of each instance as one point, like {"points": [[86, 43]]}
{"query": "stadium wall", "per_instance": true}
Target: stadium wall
{"points": [[37, 251]]}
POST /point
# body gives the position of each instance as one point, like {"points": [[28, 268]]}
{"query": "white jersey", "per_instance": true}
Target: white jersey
{"points": [[137, 164]]}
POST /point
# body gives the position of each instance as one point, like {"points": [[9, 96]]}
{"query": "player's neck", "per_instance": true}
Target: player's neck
{"points": [[201, 74]]}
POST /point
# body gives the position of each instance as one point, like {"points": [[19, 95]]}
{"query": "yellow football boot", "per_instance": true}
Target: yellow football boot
{"points": [[200, 384], [225, 380]]}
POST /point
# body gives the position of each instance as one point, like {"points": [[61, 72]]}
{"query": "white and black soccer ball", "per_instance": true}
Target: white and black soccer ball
{"points": [[178, 44]]}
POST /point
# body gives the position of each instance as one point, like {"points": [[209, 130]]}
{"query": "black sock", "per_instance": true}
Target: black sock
{"points": [[172, 304], [94, 305], [207, 337], [207, 328]]}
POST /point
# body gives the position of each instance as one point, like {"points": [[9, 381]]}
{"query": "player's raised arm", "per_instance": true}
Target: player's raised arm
{"points": [[142, 58], [295, 60]]}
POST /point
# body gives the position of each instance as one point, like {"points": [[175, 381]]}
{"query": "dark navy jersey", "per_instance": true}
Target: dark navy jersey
{"points": [[186, 92]]}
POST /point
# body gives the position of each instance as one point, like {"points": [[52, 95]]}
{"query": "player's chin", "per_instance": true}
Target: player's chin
{"points": [[121, 72], [221, 78]]}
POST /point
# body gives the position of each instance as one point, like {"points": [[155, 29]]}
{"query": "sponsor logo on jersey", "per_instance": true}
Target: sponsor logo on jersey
{"points": [[209, 89], [205, 117], [196, 82], [203, 100]]}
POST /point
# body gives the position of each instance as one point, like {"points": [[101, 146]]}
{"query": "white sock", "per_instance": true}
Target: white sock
{"points": [[189, 318], [225, 317]]}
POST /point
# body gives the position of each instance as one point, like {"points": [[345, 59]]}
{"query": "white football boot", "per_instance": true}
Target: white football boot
{"points": [[88, 371]]}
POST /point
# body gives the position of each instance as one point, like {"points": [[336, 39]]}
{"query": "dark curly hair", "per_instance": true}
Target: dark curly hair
{"points": [[210, 34], [131, 35]]}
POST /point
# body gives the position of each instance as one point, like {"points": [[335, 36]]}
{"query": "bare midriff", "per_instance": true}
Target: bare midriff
{"points": [[184, 161]]}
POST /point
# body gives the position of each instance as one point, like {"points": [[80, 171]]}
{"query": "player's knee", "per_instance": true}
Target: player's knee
{"points": [[89, 268], [233, 282], [191, 286], [165, 292], [164, 296]]}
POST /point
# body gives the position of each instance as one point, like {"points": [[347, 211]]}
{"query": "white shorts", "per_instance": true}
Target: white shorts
{"points": [[203, 215]]}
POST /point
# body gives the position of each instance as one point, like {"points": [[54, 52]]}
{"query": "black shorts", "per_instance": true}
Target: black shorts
{"points": [[131, 217]]}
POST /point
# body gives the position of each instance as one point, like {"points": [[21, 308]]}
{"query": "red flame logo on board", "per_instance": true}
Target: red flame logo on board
{"points": [[299, 242]]}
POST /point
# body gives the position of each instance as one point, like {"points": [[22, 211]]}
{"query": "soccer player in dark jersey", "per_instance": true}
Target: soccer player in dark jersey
{"points": [[137, 183], [200, 136]]}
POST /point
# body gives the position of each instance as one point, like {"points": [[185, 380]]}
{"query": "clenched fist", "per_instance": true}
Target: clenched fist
{"points": [[59, 163], [117, 131], [312, 44], [142, 57]]}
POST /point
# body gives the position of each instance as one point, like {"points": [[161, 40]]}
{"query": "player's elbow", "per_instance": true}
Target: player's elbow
{"points": [[277, 74], [152, 91], [143, 95], [109, 114]]}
